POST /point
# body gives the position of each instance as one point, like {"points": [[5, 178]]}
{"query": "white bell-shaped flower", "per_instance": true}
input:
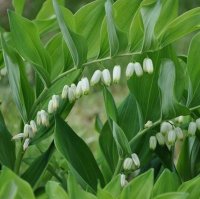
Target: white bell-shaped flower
{"points": [[138, 69], [27, 130], [106, 78], [165, 127], [73, 86], [96, 77], [192, 128], [148, 65], [179, 119], [71, 94], [18, 136], [152, 143], [136, 161], [45, 118], [127, 165], [50, 107], [55, 102], [123, 180], [85, 85], [116, 74], [65, 92], [198, 123], [39, 119], [171, 137], [130, 70], [26, 144], [33, 126], [179, 133], [160, 138], [79, 90]]}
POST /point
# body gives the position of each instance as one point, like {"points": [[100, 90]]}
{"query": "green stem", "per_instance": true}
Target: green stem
{"points": [[119, 166]]}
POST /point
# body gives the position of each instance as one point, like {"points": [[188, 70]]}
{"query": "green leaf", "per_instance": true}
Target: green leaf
{"points": [[172, 195], [25, 34], [7, 146], [75, 43], [167, 182], [121, 141], [110, 106], [169, 104], [18, 5], [98, 124], [81, 160], [139, 187], [8, 190], [54, 190], [23, 188], [21, 90], [88, 23], [37, 168]]}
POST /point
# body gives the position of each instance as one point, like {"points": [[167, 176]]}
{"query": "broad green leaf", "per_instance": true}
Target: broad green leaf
{"points": [[75, 43], [98, 124], [37, 168], [121, 141], [88, 23], [102, 194], [8, 190], [18, 5], [21, 90], [54, 190], [172, 195], [110, 106], [80, 158], [27, 42], [167, 182], [193, 72], [169, 104], [23, 188], [139, 187], [7, 146]]}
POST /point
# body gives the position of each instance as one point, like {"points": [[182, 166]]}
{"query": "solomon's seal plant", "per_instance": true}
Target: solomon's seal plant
{"points": [[150, 140]]}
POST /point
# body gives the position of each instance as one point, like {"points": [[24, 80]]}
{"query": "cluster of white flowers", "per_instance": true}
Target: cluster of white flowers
{"points": [[169, 133], [3, 72], [130, 164]]}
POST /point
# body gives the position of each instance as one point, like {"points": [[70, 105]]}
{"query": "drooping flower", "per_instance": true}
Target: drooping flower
{"points": [[165, 127], [192, 128], [96, 77], [79, 90], [65, 92], [152, 143], [71, 94], [116, 74], [171, 137], [129, 70], [55, 102], [148, 65], [50, 107], [85, 85], [33, 126], [127, 165], [160, 138], [44, 118], [123, 180], [179, 133], [136, 161], [106, 78], [138, 69], [26, 143]]}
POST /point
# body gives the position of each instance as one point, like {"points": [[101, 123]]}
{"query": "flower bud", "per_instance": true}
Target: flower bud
{"points": [[96, 77], [18, 136], [171, 137], [129, 70], [26, 143], [45, 118], [55, 102], [116, 74], [148, 124], [179, 133], [127, 165], [71, 94], [160, 138], [123, 180], [192, 128], [73, 86], [152, 143], [106, 78], [198, 123], [27, 130], [148, 65], [3, 71], [179, 119], [33, 126], [79, 90], [85, 85], [65, 92], [165, 127], [138, 69], [39, 119], [50, 107], [136, 161]]}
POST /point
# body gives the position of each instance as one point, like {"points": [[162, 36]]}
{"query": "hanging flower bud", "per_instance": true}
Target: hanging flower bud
{"points": [[148, 124], [152, 143], [179, 119], [171, 137], [27, 130], [136, 161], [55, 102], [148, 65], [179, 133], [129, 70], [85, 85], [71, 94], [18, 136], [65, 92], [50, 107], [79, 90], [73, 86], [116, 74], [138, 69], [192, 128], [160, 138], [33, 126], [26, 144], [106, 78], [127, 165], [165, 127], [198, 123], [96, 77], [123, 180], [45, 118], [39, 119]]}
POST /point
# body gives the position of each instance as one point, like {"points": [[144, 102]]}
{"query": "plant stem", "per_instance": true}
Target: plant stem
{"points": [[118, 167]]}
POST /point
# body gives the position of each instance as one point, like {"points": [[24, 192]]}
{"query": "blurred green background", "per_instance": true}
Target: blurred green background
{"points": [[82, 117]]}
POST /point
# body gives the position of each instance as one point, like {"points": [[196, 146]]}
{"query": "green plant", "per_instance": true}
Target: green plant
{"points": [[137, 155]]}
